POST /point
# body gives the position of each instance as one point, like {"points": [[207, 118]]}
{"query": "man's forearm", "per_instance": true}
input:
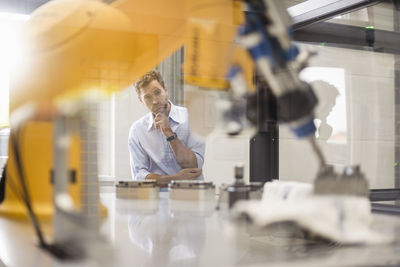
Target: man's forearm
{"points": [[162, 180], [183, 155]]}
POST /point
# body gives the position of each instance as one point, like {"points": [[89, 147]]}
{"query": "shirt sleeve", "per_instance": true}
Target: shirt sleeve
{"points": [[139, 159], [197, 146]]}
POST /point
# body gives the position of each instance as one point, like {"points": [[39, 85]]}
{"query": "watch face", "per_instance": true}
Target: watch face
{"points": [[172, 137]]}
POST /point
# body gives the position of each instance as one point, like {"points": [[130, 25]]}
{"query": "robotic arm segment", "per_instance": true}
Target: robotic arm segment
{"points": [[265, 34]]}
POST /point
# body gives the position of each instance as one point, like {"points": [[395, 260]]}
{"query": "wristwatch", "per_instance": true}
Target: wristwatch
{"points": [[172, 137]]}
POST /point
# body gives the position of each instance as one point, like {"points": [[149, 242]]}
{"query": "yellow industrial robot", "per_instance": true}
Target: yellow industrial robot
{"points": [[73, 52], [74, 49]]}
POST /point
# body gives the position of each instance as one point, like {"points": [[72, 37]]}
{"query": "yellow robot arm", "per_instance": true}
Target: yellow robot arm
{"points": [[72, 46], [75, 45]]}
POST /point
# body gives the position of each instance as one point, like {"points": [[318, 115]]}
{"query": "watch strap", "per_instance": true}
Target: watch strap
{"points": [[172, 137]]}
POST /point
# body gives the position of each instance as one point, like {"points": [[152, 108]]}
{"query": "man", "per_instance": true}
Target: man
{"points": [[161, 145]]}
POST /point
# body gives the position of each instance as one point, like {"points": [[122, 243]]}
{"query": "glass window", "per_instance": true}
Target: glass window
{"points": [[357, 121]]}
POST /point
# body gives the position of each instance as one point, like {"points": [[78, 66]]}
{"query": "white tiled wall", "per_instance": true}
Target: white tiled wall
{"points": [[127, 110], [222, 152]]}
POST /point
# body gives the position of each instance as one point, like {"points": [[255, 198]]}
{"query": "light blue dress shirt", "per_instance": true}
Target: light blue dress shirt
{"points": [[149, 150]]}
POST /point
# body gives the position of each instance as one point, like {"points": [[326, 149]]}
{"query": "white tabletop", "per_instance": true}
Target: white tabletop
{"points": [[184, 233]]}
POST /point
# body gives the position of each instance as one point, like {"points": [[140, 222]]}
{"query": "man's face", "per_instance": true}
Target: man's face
{"points": [[155, 97]]}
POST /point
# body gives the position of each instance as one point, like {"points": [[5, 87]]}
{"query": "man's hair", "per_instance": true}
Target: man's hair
{"points": [[148, 78]]}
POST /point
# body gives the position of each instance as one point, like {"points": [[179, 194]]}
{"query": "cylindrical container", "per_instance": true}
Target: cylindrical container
{"points": [[146, 189], [191, 190]]}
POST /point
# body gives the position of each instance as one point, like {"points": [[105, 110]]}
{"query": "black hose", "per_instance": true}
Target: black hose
{"points": [[15, 139]]}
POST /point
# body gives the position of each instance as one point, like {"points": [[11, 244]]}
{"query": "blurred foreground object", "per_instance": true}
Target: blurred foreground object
{"points": [[266, 34], [76, 52], [340, 219]]}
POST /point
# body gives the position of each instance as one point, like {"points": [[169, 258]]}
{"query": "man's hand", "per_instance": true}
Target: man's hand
{"points": [[161, 122], [183, 155], [187, 174]]}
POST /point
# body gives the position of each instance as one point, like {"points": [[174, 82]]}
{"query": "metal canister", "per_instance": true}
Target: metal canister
{"points": [[326, 182], [239, 190], [146, 189], [354, 181], [191, 190], [256, 190]]}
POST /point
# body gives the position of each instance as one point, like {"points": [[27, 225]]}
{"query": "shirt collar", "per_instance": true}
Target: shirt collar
{"points": [[173, 114]]}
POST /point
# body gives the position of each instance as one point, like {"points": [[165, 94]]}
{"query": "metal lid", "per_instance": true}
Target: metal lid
{"points": [[191, 184], [142, 184]]}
